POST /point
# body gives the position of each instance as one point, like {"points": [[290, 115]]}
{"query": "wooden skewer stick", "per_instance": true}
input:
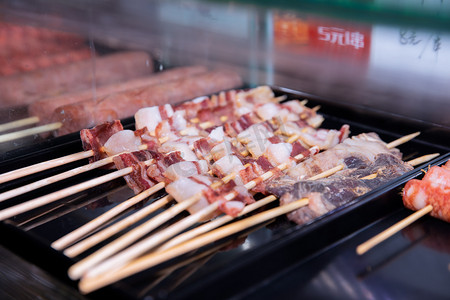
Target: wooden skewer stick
{"points": [[49, 198], [100, 236], [153, 241], [366, 246], [160, 256], [78, 269], [86, 244], [422, 159], [30, 131], [327, 173], [60, 210], [52, 179], [18, 123], [74, 157], [68, 239], [91, 282], [402, 140], [102, 258], [5, 177], [214, 224], [77, 234]]}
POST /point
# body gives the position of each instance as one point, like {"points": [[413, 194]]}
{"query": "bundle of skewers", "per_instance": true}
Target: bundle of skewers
{"points": [[214, 156]]}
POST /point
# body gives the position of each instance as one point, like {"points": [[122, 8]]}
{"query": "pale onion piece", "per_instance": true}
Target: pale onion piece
{"points": [[207, 180], [164, 131], [315, 121], [186, 169], [267, 111], [243, 110], [199, 99], [290, 128], [258, 147], [168, 109], [221, 150], [228, 164], [295, 106], [191, 130], [184, 188], [255, 132], [284, 115], [147, 117], [186, 152], [217, 134], [179, 120], [420, 200], [122, 141], [278, 153]]}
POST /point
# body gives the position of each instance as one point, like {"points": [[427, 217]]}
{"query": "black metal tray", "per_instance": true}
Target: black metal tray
{"points": [[245, 262]]}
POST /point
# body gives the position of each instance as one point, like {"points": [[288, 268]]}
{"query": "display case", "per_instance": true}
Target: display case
{"points": [[376, 66]]}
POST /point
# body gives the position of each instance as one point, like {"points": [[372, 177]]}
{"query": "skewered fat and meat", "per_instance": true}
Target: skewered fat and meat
{"points": [[327, 194]]}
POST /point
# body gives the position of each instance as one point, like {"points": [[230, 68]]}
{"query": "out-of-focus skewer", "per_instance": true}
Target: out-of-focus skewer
{"points": [[91, 282], [70, 238], [60, 210], [369, 244], [214, 224], [366, 246], [100, 259], [156, 257], [78, 269], [58, 177], [18, 123], [22, 172], [111, 230], [30, 131], [402, 140], [49, 198]]}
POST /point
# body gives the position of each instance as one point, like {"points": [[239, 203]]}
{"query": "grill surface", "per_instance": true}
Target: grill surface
{"points": [[262, 253]]}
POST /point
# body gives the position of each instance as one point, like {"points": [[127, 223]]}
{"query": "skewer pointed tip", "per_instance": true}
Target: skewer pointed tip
{"points": [[402, 140]]}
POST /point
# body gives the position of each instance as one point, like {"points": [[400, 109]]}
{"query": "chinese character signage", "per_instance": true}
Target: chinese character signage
{"points": [[320, 37]]}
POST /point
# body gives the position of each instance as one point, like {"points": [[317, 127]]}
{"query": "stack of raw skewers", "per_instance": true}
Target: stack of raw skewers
{"points": [[212, 155]]}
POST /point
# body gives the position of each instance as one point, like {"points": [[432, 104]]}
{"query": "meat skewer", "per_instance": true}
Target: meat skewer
{"points": [[165, 252], [191, 109], [49, 198], [44, 108], [71, 237], [100, 258], [427, 196], [91, 282], [65, 241], [214, 224], [86, 114], [148, 243], [87, 138]]}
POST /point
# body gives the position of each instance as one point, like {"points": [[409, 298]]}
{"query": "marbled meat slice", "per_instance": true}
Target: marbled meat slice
{"points": [[329, 193], [364, 146]]}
